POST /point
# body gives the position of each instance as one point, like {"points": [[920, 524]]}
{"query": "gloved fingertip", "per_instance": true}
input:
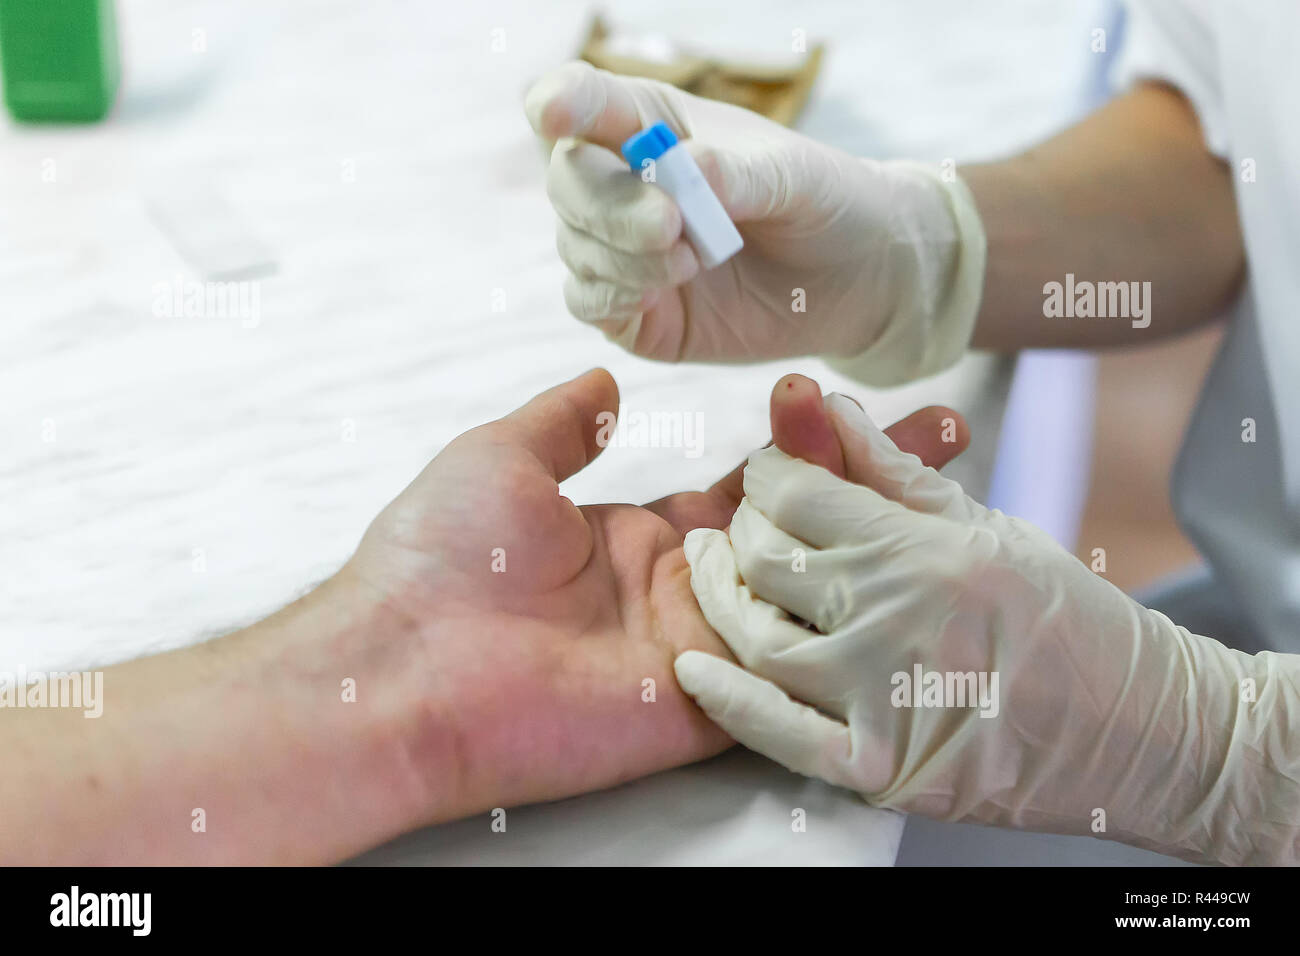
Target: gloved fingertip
{"points": [[540, 108], [850, 410], [743, 192], [551, 103], [622, 332], [696, 543], [691, 668], [769, 452], [855, 418], [707, 159]]}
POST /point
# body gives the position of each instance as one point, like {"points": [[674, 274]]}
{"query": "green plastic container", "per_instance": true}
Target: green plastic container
{"points": [[59, 59]]}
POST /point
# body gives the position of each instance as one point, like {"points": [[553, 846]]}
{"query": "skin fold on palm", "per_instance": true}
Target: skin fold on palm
{"points": [[541, 666]]}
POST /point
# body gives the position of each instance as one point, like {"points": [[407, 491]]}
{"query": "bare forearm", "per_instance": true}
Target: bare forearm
{"points": [[1130, 194], [244, 750]]}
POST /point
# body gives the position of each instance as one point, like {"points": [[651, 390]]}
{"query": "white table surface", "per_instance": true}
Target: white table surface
{"points": [[134, 442]]}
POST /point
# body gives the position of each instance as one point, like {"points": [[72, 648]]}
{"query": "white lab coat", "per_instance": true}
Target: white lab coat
{"points": [[1239, 499]]}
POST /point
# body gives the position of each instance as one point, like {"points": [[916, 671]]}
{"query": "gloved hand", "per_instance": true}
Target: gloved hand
{"points": [[1106, 717], [889, 256]]}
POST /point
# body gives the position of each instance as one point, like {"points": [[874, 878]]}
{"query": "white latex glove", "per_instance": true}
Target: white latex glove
{"points": [[1103, 705], [890, 256]]}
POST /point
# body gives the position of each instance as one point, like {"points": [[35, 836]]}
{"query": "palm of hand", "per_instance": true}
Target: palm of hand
{"points": [[556, 626]]}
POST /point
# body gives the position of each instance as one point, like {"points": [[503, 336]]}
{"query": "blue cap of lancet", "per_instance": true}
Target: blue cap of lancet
{"points": [[650, 143]]}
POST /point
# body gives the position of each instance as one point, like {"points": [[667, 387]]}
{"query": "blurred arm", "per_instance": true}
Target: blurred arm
{"points": [[1128, 194]]}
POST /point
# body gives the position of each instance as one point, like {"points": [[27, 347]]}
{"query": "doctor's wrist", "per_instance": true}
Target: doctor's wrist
{"points": [[1224, 791], [935, 278]]}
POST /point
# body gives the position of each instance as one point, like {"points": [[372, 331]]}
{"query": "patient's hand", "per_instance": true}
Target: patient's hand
{"points": [[541, 636], [419, 684]]}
